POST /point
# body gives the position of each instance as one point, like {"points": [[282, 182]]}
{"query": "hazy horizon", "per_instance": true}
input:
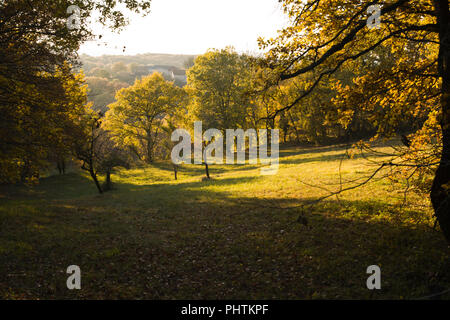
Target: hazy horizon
{"points": [[137, 54]]}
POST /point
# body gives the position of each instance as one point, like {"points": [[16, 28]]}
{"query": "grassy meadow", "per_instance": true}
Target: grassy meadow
{"points": [[234, 237]]}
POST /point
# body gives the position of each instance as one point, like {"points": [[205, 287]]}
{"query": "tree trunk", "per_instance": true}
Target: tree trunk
{"points": [[63, 166], [97, 184], [440, 196], [149, 147], [149, 153], [205, 160], [175, 171], [207, 170], [108, 180]]}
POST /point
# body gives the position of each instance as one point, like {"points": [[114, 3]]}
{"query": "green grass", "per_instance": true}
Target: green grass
{"points": [[235, 237]]}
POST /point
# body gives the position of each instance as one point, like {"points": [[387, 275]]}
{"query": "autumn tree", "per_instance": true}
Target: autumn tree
{"points": [[325, 37], [39, 130], [36, 49], [141, 111], [100, 73], [118, 67], [94, 148], [219, 85], [112, 157], [102, 91], [316, 118]]}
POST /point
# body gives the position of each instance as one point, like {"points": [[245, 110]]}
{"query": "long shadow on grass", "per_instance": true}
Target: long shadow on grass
{"points": [[198, 170], [174, 195], [326, 157], [67, 186], [291, 150]]}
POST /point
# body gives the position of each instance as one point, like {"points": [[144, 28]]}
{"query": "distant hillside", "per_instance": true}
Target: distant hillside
{"points": [[107, 74]]}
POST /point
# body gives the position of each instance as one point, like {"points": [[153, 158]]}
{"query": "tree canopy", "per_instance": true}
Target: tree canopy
{"points": [[219, 84], [39, 94], [325, 37], [141, 111]]}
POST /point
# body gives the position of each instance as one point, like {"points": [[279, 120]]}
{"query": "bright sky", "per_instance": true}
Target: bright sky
{"points": [[193, 26]]}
